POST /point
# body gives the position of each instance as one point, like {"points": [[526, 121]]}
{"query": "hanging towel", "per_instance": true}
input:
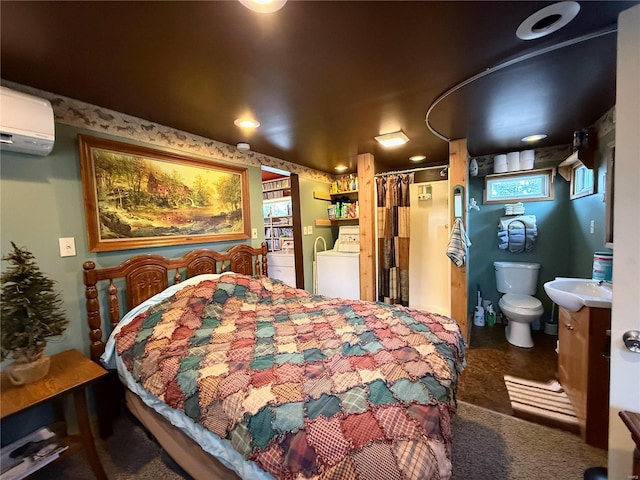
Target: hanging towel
{"points": [[458, 243]]}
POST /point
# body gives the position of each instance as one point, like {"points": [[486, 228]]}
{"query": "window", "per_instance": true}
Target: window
{"points": [[581, 177], [581, 181], [524, 186]]}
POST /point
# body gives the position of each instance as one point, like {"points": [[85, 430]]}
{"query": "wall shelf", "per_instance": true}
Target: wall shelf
{"points": [[352, 195], [321, 222], [321, 196], [347, 193]]}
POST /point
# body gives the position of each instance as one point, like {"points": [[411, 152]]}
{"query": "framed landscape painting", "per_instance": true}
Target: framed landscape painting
{"points": [[137, 197]]}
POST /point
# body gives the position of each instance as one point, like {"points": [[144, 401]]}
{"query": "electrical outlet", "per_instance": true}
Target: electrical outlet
{"points": [[67, 247], [254, 233]]}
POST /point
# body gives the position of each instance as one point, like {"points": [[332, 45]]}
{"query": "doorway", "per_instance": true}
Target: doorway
{"points": [[282, 226]]}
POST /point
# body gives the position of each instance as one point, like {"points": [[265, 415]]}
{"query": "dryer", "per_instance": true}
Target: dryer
{"points": [[339, 269]]}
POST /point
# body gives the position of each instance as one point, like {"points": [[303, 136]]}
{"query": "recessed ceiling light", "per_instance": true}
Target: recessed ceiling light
{"points": [[534, 138], [264, 6], [246, 123], [417, 158], [340, 168], [547, 20], [392, 139], [243, 146]]}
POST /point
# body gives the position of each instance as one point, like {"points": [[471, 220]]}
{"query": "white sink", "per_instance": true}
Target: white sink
{"points": [[575, 293]]}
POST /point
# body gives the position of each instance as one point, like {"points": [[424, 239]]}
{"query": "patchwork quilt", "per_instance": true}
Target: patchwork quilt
{"points": [[306, 386]]}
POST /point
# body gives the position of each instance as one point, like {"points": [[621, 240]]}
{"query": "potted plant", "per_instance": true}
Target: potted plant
{"points": [[31, 312]]}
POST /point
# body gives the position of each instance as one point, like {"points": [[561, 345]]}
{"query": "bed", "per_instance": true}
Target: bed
{"points": [[241, 376]]}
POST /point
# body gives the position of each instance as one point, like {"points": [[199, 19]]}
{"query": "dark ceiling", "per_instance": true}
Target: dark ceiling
{"points": [[323, 78]]}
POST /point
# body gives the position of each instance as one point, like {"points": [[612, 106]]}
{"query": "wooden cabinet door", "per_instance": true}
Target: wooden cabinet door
{"points": [[573, 334]]}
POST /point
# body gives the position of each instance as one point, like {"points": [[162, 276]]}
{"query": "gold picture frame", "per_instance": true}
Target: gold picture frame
{"points": [[137, 197]]}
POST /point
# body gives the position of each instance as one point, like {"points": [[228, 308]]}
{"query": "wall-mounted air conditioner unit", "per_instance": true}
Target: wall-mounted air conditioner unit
{"points": [[26, 123]]}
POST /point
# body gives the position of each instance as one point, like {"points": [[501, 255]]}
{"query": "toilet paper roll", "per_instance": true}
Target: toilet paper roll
{"points": [[526, 159], [513, 161], [499, 164]]}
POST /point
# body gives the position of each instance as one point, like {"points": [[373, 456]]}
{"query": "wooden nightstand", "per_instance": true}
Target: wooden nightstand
{"points": [[71, 373]]}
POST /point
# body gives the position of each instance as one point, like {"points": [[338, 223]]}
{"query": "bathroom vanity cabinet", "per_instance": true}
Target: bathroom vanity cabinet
{"points": [[583, 369]]}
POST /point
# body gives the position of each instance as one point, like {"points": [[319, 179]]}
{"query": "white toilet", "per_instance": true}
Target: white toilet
{"points": [[518, 282]]}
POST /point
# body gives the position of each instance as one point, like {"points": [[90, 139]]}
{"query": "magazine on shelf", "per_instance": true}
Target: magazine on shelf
{"points": [[30, 453]]}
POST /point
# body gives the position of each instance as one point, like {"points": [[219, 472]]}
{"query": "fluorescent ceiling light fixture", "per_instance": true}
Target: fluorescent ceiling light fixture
{"points": [[417, 158], [392, 139], [246, 123], [264, 6], [534, 138], [340, 168], [547, 20], [243, 146]]}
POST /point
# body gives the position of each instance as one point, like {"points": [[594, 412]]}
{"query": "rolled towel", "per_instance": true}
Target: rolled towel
{"points": [[529, 221], [503, 239], [517, 242], [516, 247]]}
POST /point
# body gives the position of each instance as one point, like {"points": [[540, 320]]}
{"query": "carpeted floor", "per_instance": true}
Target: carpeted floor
{"points": [[487, 446]]}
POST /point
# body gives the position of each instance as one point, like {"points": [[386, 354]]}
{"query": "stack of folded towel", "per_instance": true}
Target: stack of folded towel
{"points": [[517, 233]]}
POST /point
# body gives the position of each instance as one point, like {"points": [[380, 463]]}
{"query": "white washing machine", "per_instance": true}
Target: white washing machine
{"points": [[339, 271]]}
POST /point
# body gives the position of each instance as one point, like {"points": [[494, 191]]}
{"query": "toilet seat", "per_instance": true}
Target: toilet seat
{"points": [[522, 304]]}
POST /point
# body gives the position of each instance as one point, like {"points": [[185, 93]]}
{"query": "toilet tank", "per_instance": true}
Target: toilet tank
{"points": [[517, 277]]}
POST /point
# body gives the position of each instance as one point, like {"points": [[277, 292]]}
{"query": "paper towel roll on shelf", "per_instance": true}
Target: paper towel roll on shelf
{"points": [[513, 161], [500, 163]]}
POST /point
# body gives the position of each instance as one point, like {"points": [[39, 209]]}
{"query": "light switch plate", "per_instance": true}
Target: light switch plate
{"points": [[67, 247], [254, 233]]}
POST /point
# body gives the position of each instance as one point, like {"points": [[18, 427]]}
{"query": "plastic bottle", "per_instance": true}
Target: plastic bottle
{"points": [[491, 316], [478, 316]]}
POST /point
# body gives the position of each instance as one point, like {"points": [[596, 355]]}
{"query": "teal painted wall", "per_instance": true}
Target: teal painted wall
{"points": [[564, 246], [550, 249]]}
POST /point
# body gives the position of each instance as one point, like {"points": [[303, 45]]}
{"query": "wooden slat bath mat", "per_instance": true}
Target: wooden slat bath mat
{"points": [[540, 402]]}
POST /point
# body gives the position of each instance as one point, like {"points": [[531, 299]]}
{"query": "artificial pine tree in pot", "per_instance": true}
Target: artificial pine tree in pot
{"points": [[31, 312]]}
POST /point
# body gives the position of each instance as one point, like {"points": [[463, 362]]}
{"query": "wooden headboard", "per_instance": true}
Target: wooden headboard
{"points": [[146, 275]]}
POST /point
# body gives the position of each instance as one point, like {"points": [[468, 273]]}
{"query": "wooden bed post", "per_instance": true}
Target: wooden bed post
{"points": [[458, 177], [93, 311], [263, 257]]}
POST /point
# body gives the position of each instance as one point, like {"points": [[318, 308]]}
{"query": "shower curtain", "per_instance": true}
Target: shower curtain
{"points": [[393, 238]]}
